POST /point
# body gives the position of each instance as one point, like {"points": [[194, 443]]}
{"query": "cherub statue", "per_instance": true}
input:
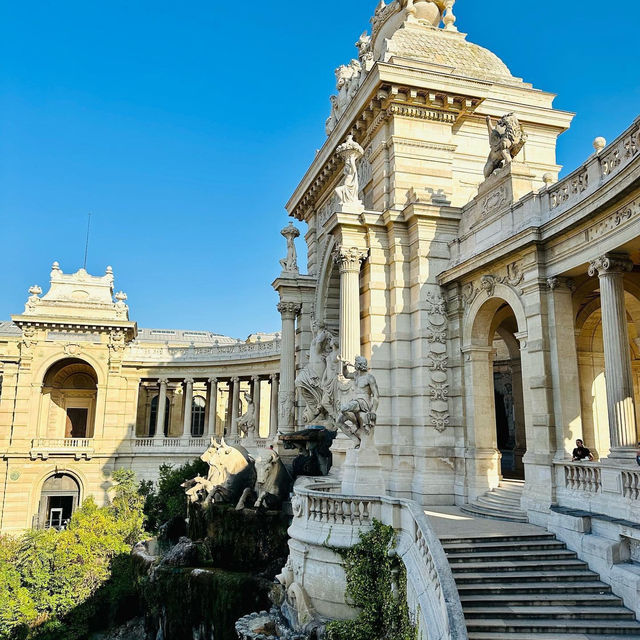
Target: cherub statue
{"points": [[357, 416], [506, 140]]}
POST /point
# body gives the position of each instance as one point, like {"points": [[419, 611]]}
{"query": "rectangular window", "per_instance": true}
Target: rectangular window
{"points": [[77, 423]]}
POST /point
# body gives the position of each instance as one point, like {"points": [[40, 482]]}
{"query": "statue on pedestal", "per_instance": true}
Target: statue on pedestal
{"points": [[350, 152], [357, 415], [290, 263], [247, 422], [506, 140]]}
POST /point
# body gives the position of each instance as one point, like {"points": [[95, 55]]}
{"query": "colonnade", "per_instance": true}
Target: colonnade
{"points": [[233, 409]]}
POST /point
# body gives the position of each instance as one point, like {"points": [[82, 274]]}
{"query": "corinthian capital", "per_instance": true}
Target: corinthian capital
{"points": [[290, 309], [610, 263], [349, 258]]}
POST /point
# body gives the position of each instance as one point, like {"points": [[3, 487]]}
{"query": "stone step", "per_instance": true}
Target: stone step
{"points": [[542, 555], [499, 501], [595, 600], [501, 588], [565, 575], [595, 627], [494, 545], [544, 611], [517, 565], [483, 512]]}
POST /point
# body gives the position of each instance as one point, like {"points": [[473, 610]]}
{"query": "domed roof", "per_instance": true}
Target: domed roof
{"points": [[450, 50]]}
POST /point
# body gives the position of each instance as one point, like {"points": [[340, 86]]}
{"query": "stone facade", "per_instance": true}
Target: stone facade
{"points": [[84, 392]]}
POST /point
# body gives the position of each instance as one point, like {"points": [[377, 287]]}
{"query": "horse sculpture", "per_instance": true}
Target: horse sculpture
{"points": [[273, 482], [231, 471]]}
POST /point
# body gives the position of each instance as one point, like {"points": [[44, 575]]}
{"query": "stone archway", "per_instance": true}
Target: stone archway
{"points": [[495, 395], [59, 498], [68, 399]]}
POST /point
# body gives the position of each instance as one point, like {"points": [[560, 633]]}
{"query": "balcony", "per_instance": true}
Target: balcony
{"points": [[79, 448]]}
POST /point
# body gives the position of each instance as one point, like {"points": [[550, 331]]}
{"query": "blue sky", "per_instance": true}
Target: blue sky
{"points": [[185, 126]]}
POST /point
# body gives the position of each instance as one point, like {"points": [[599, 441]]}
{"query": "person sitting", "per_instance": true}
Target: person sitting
{"points": [[581, 452]]}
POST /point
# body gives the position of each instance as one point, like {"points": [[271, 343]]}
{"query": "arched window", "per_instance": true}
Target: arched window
{"points": [[198, 409], [59, 498], [153, 417]]}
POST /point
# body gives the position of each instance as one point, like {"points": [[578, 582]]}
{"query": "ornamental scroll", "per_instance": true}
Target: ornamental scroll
{"points": [[438, 361]]}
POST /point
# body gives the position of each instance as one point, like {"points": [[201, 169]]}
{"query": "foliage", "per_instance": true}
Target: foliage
{"points": [[377, 585], [53, 584], [167, 500]]}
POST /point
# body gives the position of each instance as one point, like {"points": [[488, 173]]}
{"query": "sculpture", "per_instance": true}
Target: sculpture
{"points": [[309, 380], [273, 482], [290, 263], [247, 421], [357, 415], [350, 152], [329, 400], [506, 140], [231, 471]]}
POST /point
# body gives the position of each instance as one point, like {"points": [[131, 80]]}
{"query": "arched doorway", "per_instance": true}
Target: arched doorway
{"points": [[495, 438], [69, 391], [59, 498]]}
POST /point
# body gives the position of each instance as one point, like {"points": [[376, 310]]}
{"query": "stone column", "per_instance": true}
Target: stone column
{"points": [[610, 269], [188, 407], [273, 422], [349, 261], [212, 407], [255, 393], [162, 406], [235, 402], [564, 367], [286, 412]]}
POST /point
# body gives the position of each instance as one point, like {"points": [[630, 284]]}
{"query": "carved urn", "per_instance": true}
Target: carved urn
{"points": [[427, 11]]}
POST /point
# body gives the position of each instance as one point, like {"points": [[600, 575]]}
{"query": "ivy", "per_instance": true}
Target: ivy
{"points": [[377, 586]]}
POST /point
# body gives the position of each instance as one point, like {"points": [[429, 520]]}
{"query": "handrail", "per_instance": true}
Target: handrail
{"points": [[428, 570]]}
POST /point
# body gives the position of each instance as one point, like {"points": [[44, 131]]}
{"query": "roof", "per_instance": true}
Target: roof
{"points": [[179, 336], [9, 329], [449, 50]]}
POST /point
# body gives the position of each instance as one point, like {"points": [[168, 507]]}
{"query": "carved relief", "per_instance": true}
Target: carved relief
{"points": [[512, 278], [494, 200], [567, 190], [613, 221], [438, 361]]}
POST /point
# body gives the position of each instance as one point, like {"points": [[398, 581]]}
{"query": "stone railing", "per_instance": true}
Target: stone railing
{"points": [[324, 517], [190, 444], [631, 484], [582, 477], [240, 351], [45, 447]]}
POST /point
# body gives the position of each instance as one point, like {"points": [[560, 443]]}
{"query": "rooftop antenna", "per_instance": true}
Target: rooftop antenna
{"points": [[86, 245]]}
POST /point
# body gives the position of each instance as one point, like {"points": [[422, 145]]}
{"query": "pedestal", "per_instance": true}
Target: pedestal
{"points": [[362, 471]]}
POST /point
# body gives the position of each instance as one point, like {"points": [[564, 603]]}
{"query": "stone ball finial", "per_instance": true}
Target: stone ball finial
{"points": [[35, 290], [599, 144], [109, 270], [548, 178], [55, 266]]}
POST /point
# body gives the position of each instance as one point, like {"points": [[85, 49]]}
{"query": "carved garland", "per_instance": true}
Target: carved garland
{"points": [[438, 361], [488, 282]]}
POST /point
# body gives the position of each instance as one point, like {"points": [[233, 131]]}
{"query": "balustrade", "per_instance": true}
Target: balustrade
{"points": [[631, 484], [582, 478]]}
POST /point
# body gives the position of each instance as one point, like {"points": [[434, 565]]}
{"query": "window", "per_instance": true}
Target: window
{"points": [[59, 498], [77, 420], [198, 410], [153, 417]]}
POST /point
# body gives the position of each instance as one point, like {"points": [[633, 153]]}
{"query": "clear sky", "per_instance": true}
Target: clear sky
{"points": [[185, 126]]}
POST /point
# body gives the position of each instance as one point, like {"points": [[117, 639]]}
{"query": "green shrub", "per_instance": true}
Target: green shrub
{"points": [[377, 585]]}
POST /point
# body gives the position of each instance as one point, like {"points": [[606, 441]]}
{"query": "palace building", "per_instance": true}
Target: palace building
{"points": [[84, 391], [497, 304]]}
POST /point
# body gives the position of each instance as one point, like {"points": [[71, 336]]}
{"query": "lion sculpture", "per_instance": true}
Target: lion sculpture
{"points": [[506, 140]]}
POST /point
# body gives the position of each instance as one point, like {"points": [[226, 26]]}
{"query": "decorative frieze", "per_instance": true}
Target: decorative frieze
{"points": [[613, 221], [438, 361]]}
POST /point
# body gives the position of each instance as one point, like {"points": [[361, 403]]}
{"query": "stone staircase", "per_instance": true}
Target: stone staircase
{"points": [[502, 503], [530, 587]]}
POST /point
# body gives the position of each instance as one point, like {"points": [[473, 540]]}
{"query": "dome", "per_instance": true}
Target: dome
{"points": [[449, 50]]}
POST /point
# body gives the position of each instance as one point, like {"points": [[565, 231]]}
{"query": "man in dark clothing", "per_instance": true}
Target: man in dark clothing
{"points": [[581, 452]]}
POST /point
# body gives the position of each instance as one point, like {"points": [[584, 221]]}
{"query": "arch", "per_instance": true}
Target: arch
{"points": [[69, 394], [495, 392], [198, 414], [326, 283], [59, 495], [94, 363]]}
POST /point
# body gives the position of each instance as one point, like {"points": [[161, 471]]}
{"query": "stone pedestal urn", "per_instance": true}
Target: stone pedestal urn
{"points": [[427, 11]]}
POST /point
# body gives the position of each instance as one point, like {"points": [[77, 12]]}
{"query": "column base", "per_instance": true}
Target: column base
{"points": [[623, 454], [363, 471]]}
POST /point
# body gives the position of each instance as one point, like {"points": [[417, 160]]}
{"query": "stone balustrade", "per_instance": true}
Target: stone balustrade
{"points": [[631, 484], [45, 447], [324, 518], [582, 477]]}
